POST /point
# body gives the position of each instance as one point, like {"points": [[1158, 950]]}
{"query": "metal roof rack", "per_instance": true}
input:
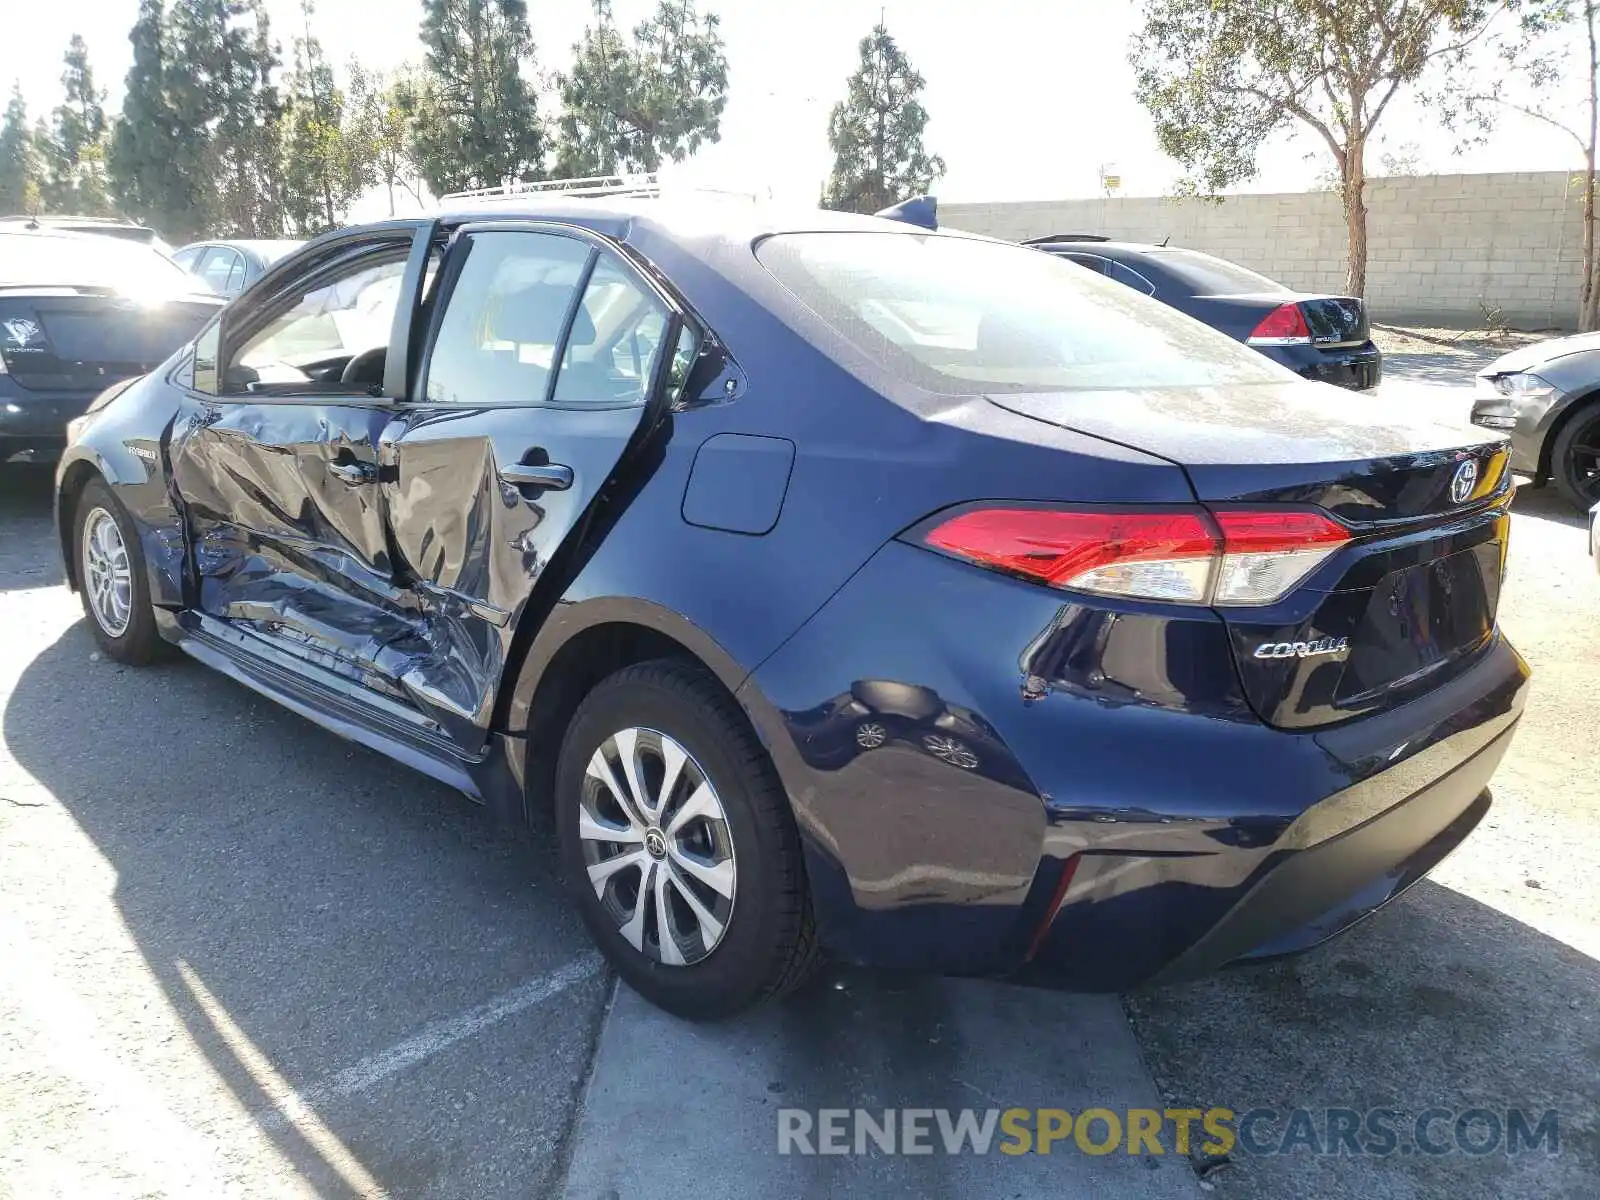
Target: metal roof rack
{"points": [[647, 184]]}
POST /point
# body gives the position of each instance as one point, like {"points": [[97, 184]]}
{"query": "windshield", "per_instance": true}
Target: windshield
{"points": [[961, 316], [1212, 276], [28, 259]]}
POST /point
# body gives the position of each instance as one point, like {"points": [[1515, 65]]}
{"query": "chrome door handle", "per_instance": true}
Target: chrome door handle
{"points": [[548, 475], [353, 474]]}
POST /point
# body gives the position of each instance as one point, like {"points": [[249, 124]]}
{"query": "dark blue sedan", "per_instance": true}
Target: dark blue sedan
{"points": [[1320, 337], [824, 583]]}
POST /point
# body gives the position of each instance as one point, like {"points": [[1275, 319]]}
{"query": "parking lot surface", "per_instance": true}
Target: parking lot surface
{"points": [[240, 957]]}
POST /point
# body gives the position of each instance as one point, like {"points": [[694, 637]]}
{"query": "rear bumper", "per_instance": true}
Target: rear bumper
{"points": [[35, 423], [994, 779], [1356, 367]]}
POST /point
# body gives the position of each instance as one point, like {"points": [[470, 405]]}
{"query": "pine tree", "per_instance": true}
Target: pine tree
{"points": [[685, 82], [321, 175], [630, 106], [475, 120], [144, 142], [598, 96], [248, 141], [19, 162], [77, 142], [876, 133]]}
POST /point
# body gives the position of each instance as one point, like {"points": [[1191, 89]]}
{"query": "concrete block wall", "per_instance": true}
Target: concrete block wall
{"points": [[1439, 247]]}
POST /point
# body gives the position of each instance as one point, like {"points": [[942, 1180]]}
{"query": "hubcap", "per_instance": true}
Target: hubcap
{"points": [[952, 750], [107, 573], [657, 847]]}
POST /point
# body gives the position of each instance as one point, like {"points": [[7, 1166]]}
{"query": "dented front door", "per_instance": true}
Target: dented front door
{"points": [[277, 465], [538, 379]]}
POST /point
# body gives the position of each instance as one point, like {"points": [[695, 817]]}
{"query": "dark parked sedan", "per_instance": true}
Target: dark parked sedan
{"points": [[78, 313], [227, 268], [825, 583], [1547, 398], [1320, 337]]}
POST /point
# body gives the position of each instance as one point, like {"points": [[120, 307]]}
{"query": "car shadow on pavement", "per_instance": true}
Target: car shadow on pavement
{"points": [[305, 907], [1548, 505], [1437, 1001]]}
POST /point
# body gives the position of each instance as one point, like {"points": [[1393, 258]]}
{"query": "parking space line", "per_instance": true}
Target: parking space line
{"points": [[428, 1041], [293, 1108]]}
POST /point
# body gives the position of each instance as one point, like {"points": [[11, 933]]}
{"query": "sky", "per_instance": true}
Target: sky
{"points": [[1028, 99]]}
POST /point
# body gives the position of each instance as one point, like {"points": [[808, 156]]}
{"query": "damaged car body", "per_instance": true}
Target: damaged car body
{"points": [[812, 610]]}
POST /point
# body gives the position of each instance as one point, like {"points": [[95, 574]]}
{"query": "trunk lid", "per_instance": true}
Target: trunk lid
{"points": [[1411, 597], [79, 339], [1331, 320]]}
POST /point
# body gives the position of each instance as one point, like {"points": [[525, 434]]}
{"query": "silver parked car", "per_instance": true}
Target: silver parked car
{"points": [[229, 267], [1547, 398]]}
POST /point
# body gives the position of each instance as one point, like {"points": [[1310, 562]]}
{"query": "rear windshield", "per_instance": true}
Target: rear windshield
{"points": [[961, 316], [1211, 276], [89, 260]]}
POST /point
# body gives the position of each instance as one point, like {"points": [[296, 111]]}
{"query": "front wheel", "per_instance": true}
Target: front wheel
{"points": [[1575, 458], [109, 565], [679, 845]]}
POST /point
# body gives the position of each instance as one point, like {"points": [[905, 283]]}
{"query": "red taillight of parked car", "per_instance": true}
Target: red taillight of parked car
{"points": [[1180, 556], [1283, 326]]}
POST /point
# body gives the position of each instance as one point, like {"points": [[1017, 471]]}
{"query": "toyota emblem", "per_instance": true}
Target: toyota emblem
{"points": [[1466, 478]]}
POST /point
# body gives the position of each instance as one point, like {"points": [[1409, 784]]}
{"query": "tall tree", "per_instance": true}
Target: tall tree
{"points": [[247, 142], [224, 156], [323, 169], [144, 141], [377, 128], [19, 162], [876, 132], [77, 181], [632, 105], [1221, 76], [475, 118]]}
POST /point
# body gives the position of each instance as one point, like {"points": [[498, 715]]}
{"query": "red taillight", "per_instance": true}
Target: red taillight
{"points": [[1283, 326], [1158, 555], [1184, 556]]}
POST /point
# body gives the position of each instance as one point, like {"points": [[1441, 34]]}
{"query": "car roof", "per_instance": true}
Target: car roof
{"points": [[690, 216], [254, 244]]}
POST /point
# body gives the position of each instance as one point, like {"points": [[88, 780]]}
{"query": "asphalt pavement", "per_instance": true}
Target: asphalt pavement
{"points": [[239, 957]]}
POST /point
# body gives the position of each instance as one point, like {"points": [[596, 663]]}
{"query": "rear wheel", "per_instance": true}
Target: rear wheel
{"points": [[679, 846], [109, 566], [1575, 458]]}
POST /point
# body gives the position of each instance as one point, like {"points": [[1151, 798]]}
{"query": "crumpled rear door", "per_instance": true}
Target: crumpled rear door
{"points": [[540, 378]]}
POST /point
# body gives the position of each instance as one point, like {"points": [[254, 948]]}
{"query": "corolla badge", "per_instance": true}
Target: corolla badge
{"points": [[1327, 645], [1466, 478]]}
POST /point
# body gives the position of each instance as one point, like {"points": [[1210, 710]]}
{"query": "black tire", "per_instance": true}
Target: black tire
{"points": [[1575, 458], [768, 944], [137, 643]]}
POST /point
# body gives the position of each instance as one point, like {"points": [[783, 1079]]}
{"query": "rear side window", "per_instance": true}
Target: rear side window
{"points": [[615, 342], [960, 316], [1208, 276], [503, 318]]}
